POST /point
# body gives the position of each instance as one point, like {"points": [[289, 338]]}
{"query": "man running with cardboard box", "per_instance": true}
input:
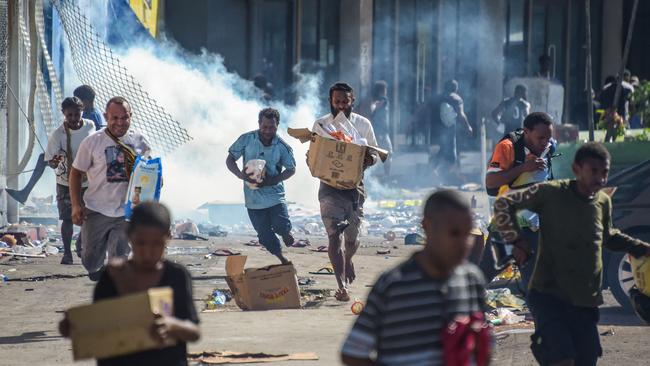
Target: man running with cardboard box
{"points": [[342, 209]]}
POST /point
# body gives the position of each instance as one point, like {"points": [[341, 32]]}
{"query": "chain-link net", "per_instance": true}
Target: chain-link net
{"points": [[49, 122], [98, 66]]}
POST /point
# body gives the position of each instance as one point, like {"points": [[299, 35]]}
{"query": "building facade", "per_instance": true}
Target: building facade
{"points": [[414, 45]]}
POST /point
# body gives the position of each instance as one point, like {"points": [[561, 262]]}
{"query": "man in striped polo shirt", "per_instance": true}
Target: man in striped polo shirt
{"points": [[411, 307]]}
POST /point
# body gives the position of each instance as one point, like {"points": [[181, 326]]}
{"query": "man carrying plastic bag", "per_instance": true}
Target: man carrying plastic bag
{"points": [[264, 188]]}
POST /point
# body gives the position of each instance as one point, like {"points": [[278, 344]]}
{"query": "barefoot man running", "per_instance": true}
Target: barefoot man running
{"points": [[341, 210]]}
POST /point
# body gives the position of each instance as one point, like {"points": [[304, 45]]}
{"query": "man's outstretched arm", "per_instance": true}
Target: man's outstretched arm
{"points": [[505, 217]]}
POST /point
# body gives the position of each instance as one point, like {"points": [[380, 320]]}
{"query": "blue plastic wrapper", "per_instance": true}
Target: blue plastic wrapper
{"points": [[145, 183]]}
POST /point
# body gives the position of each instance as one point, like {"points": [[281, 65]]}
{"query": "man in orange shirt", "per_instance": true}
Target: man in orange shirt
{"points": [[523, 158]]}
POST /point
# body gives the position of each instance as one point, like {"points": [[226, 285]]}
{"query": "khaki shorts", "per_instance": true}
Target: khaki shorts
{"points": [[340, 212]]}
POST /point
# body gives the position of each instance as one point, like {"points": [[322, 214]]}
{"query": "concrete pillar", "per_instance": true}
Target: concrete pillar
{"points": [[13, 116], [356, 46], [490, 65], [612, 42]]}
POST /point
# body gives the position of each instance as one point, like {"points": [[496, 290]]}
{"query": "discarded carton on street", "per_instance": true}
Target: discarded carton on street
{"points": [[336, 163], [118, 326], [266, 288]]}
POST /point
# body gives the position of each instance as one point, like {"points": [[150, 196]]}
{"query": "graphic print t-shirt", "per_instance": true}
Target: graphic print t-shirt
{"points": [[58, 145], [104, 163]]}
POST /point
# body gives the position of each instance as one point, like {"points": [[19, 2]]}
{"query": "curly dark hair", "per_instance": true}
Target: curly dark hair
{"points": [[269, 113], [591, 150], [72, 102], [150, 214], [341, 86], [85, 92], [537, 118]]}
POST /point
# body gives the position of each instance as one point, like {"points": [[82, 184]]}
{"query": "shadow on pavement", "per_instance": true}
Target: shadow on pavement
{"points": [[29, 337], [617, 315]]}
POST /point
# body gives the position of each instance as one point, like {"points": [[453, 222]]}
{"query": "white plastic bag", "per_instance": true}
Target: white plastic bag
{"points": [[342, 124], [508, 317], [256, 168]]}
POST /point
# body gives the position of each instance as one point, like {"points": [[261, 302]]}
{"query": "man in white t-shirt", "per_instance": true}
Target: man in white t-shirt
{"points": [[106, 158], [61, 150], [342, 210]]}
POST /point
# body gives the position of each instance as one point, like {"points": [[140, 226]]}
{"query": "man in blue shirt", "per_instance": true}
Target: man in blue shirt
{"points": [[87, 95], [265, 202]]}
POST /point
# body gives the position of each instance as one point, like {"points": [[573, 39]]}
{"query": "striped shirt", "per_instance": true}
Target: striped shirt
{"points": [[407, 311]]}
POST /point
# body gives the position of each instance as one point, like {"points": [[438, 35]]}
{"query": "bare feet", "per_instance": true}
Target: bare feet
{"points": [[342, 295], [288, 239], [350, 275], [283, 259]]}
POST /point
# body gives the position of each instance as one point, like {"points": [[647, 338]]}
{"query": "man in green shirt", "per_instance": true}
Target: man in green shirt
{"points": [[566, 287]]}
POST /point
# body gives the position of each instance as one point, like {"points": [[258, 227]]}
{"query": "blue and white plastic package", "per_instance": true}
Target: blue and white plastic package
{"points": [[145, 183]]}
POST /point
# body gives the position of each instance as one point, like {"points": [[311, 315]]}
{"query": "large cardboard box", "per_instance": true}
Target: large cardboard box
{"points": [[336, 163], [272, 287], [119, 326]]}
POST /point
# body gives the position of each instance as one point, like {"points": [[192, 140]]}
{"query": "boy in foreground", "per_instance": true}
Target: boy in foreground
{"points": [[148, 232], [411, 307], [566, 287]]}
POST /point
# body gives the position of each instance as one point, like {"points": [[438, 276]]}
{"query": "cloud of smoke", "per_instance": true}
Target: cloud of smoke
{"points": [[216, 106]]}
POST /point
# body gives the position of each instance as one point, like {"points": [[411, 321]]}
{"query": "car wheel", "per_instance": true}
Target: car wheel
{"points": [[620, 278]]}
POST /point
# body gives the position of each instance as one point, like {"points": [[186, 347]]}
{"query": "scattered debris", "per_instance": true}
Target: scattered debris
{"points": [[327, 270], [504, 316], [253, 243], [502, 297], [9, 240], [218, 234], [187, 250], [301, 243], [222, 253], [227, 357], [383, 251], [610, 332], [471, 187], [190, 236], [414, 239], [357, 307], [504, 334], [217, 299], [307, 281], [186, 227], [390, 236]]}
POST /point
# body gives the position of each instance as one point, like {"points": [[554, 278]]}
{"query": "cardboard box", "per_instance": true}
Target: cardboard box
{"points": [[118, 326], [336, 163], [272, 287]]}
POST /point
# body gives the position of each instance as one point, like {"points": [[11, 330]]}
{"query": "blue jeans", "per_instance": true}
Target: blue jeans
{"points": [[270, 222]]}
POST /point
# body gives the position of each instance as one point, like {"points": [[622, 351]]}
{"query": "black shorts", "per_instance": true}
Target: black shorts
{"points": [[564, 331]]}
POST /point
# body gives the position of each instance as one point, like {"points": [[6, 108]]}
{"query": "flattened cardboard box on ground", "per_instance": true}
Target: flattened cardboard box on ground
{"points": [[336, 163], [266, 288], [119, 326]]}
